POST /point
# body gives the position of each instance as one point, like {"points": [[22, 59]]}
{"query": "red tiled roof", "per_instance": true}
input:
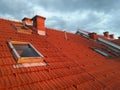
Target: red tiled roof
{"points": [[72, 64], [116, 41]]}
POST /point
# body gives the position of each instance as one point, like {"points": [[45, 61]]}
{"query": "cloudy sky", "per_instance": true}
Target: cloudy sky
{"points": [[91, 15]]}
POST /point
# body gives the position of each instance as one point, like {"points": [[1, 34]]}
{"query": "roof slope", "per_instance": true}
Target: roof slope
{"points": [[117, 41], [72, 64]]}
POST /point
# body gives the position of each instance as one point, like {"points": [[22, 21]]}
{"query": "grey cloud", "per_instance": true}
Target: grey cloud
{"points": [[15, 8], [56, 22], [74, 5], [114, 22], [72, 25], [92, 22], [102, 15]]}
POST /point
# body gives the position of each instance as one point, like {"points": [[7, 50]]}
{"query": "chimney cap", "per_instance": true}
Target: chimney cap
{"points": [[26, 18], [93, 35], [111, 36], [38, 17], [106, 32]]}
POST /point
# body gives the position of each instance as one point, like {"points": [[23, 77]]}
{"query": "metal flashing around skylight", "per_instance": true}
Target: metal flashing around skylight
{"points": [[100, 52], [109, 43], [82, 32], [25, 52], [20, 65]]}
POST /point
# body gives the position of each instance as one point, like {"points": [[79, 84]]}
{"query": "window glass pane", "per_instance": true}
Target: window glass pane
{"points": [[25, 50], [101, 52]]}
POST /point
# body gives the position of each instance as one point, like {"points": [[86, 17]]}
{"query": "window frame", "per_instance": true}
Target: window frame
{"points": [[20, 29], [20, 59], [100, 52]]}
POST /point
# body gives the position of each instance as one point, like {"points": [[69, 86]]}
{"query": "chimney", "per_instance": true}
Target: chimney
{"points": [[106, 34], [93, 36], [27, 21], [39, 24], [111, 36]]}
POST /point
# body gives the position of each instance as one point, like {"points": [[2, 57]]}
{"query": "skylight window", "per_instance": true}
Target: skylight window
{"points": [[100, 52], [25, 52], [22, 28], [109, 43]]}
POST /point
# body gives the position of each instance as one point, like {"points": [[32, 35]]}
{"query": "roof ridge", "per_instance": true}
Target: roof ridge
{"points": [[14, 20]]}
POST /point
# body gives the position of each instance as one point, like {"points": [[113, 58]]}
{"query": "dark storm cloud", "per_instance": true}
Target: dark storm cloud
{"points": [[75, 23], [75, 5], [92, 15], [92, 22], [109, 21], [57, 22], [15, 8]]}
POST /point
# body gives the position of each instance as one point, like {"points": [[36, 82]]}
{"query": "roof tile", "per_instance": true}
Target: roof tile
{"points": [[72, 64]]}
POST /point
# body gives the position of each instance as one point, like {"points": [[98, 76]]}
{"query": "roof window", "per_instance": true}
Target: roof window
{"points": [[22, 28], [100, 52], [25, 52]]}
